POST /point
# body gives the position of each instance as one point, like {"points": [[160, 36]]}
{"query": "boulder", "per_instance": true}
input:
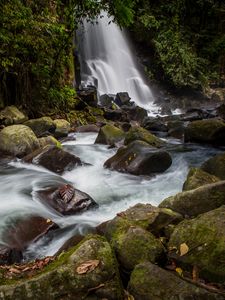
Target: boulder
{"points": [[49, 140], [88, 96], [54, 159], [149, 282], [11, 115], [107, 101], [138, 158], [18, 140], [122, 98], [41, 126], [215, 166], [87, 271], [196, 178], [154, 124], [88, 128], [205, 238], [194, 202], [115, 115], [210, 131], [66, 199], [62, 128], [139, 133], [109, 135], [176, 129], [135, 113]]}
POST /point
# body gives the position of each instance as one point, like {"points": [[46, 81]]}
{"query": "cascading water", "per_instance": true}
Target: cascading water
{"points": [[108, 63]]}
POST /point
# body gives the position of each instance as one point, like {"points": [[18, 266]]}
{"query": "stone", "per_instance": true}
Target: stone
{"points": [[109, 135], [88, 96], [154, 124], [115, 115], [194, 202], [205, 238], [215, 166], [9, 256], [12, 115], [176, 128], [122, 98], [88, 128], [54, 159], [149, 282], [135, 113], [197, 177], [41, 126], [18, 140], [62, 128], [49, 140], [139, 133], [106, 101], [211, 131], [138, 158], [66, 199]]}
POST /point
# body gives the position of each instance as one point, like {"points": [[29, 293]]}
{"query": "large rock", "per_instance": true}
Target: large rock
{"points": [[215, 166], [42, 126], [149, 282], [49, 140], [139, 133], [196, 178], [18, 140], [154, 124], [122, 98], [54, 159], [205, 239], [135, 113], [210, 131], [109, 135], [66, 199], [62, 128], [197, 201], [11, 115], [138, 158], [88, 271], [88, 96], [88, 128]]}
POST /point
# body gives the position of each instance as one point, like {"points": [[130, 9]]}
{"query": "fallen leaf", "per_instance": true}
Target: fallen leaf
{"points": [[87, 266], [184, 249], [14, 270], [179, 271], [195, 273]]}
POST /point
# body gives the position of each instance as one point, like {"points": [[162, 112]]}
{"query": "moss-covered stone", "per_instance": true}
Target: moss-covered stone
{"points": [[197, 201], [139, 133], [62, 128], [18, 140], [206, 131], [149, 282], [196, 178], [109, 135], [41, 126], [49, 140], [11, 115], [215, 166], [61, 279], [205, 238]]}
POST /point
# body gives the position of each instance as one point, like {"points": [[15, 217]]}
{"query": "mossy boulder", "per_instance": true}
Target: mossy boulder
{"points": [[205, 238], [139, 133], [149, 282], [109, 135], [12, 115], [18, 140], [62, 128], [138, 158], [215, 166], [194, 202], [49, 140], [68, 278], [41, 126], [210, 131], [196, 178]]}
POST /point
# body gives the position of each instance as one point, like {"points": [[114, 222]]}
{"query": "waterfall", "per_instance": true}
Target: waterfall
{"points": [[108, 63]]}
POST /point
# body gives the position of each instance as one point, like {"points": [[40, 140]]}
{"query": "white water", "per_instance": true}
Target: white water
{"points": [[113, 191], [108, 63]]}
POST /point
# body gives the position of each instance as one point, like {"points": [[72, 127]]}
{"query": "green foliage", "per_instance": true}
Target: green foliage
{"points": [[62, 99]]}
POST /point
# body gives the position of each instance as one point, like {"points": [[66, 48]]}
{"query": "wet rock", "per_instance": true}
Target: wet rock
{"points": [[109, 135], [42, 126], [107, 101], [149, 282], [221, 111], [194, 114], [88, 96], [64, 277], [10, 256], [205, 238], [67, 200], [54, 159], [176, 129], [197, 201], [210, 131], [122, 98], [135, 113], [138, 158], [139, 133], [11, 115], [154, 124], [215, 166], [18, 140], [196, 178], [62, 128], [88, 128], [115, 115], [49, 140]]}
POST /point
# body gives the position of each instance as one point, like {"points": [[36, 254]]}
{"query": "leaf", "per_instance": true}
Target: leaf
{"points": [[184, 249], [14, 270], [179, 271], [195, 273], [87, 266]]}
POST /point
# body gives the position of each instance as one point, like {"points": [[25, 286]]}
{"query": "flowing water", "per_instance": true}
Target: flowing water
{"points": [[113, 191], [108, 63]]}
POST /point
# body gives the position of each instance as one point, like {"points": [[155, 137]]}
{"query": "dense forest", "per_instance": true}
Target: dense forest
{"points": [[185, 41]]}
